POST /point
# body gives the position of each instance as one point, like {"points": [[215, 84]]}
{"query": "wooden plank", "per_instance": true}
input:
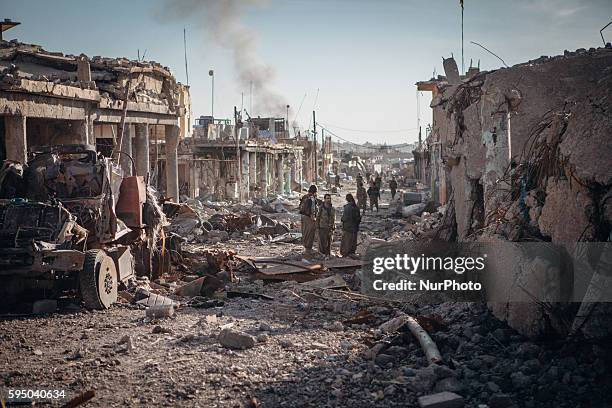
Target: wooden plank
{"points": [[331, 282], [339, 263], [296, 277], [287, 269]]}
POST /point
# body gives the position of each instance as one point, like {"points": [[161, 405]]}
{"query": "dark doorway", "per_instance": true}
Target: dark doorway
{"points": [[3, 140]]}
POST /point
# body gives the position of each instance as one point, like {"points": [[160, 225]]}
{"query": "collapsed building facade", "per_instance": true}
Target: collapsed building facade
{"points": [[270, 162], [524, 154], [48, 98]]}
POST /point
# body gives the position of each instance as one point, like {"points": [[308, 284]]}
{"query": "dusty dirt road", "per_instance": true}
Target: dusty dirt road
{"points": [[307, 352]]}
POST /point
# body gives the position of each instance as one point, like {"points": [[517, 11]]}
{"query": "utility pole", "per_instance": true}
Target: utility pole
{"points": [[211, 73], [185, 47], [323, 151], [462, 65], [251, 99], [287, 120], [238, 161], [314, 138], [420, 139]]}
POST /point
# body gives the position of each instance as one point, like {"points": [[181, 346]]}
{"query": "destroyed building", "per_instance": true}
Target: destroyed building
{"points": [[271, 162], [523, 154], [48, 98]]}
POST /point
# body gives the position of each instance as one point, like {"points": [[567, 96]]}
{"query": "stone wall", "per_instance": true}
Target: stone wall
{"points": [[528, 156]]}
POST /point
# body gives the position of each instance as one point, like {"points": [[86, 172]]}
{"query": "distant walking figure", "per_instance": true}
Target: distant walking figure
{"points": [[350, 227], [373, 193]]}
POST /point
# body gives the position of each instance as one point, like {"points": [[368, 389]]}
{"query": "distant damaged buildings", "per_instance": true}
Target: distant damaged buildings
{"points": [[270, 162], [49, 99]]}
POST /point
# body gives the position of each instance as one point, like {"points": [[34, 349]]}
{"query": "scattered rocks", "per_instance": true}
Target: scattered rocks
{"points": [[160, 329], [334, 326], [384, 359], [441, 400], [373, 352], [491, 386], [160, 311], [527, 350], [286, 343], [265, 327], [450, 384], [336, 393], [520, 380], [128, 342], [424, 379], [500, 401], [234, 339]]}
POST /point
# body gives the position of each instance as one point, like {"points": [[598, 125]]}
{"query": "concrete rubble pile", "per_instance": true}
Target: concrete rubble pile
{"points": [[413, 224], [482, 360], [30, 66], [204, 221]]}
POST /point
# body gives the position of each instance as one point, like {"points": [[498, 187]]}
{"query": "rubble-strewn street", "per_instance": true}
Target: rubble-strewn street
{"points": [[291, 344], [267, 215]]}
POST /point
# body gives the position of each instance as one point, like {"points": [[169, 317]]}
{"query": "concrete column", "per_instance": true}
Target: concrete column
{"points": [[294, 172], [264, 175], [280, 178], [253, 170], [194, 182], [86, 132], [15, 138], [141, 149], [172, 182], [245, 180], [126, 150], [83, 70], [287, 177], [300, 167]]}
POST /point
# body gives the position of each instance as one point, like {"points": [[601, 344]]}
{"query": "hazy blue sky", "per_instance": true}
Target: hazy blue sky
{"points": [[363, 56]]}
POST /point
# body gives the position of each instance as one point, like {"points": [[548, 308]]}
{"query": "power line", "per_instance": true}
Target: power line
{"points": [[490, 52], [370, 131], [314, 105], [373, 147], [300, 108]]}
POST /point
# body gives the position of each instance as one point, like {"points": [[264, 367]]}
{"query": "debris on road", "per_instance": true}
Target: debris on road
{"points": [[80, 399], [160, 311], [429, 347], [236, 340], [441, 400]]}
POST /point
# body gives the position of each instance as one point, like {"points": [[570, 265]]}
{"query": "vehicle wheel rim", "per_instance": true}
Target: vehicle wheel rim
{"points": [[107, 282]]}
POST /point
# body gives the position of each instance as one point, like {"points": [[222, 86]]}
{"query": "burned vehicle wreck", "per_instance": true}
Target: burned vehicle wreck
{"points": [[71, 224]]}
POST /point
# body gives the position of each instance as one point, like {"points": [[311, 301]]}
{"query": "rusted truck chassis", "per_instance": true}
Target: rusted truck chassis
{"points": [[70, 223]]}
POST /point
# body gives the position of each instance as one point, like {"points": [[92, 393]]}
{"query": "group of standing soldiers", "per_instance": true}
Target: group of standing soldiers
{"points": [[320, 217], [373, 191]]}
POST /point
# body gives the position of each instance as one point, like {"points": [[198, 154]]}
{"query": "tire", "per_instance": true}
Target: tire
{"points": [[98, 280]]}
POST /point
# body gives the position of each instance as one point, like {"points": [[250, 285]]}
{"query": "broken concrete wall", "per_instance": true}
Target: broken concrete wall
{"points": [[529, 155]]}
